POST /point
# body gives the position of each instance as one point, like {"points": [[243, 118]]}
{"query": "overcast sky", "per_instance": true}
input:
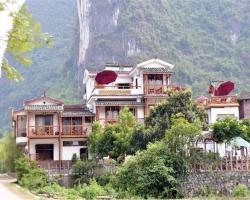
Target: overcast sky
{"points": [[6, 24]]}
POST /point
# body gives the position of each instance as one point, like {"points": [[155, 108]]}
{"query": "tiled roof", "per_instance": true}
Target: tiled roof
{"points": [[80, 109], [112, 103], [244, 95], [156, 70]]}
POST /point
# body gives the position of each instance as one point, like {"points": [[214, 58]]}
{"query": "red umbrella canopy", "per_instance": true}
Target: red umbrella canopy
{"points": [[225, 88], [106, 77]]}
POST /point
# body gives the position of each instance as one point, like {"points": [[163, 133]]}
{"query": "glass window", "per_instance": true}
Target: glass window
{"points": [[123, 85], [74, 143], [44, 120]]}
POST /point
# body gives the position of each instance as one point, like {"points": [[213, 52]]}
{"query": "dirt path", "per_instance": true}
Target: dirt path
{"points": [[10, 191]]}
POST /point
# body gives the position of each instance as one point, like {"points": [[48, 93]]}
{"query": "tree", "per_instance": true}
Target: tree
{"points": [[182, 135], [114, 139], [23, 38], [154, 172], [227, 129], [9, 152], [178, 103]]}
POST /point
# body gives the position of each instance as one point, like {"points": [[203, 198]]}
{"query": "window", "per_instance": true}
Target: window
{"points": [[88, 119], [112, 112], [155, 79], [136, 83], [123, 85], [72, 125], [132, 110], [44, 120], [74, 143]]}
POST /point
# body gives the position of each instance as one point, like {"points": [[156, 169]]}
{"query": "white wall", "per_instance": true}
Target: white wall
{"points": [[33, 142], [68, 151], [214, 112]]}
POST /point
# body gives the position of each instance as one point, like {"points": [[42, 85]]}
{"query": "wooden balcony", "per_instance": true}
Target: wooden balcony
{"points": [[54, 131], [155, 89], [218, 101]]}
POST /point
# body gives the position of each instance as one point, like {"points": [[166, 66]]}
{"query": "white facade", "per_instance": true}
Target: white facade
{"points": [[136, 87], [215, 113]]}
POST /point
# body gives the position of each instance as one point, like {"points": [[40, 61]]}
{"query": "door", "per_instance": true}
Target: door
{"points": [[44, 152]]}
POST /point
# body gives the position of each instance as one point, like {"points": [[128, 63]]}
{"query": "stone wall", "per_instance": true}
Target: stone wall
{"points": [[223, 182]]}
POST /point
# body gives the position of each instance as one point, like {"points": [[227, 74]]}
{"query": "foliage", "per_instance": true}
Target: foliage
{"points": [[207, 191], [227, 129], [140, 138], [153, 172], [35, 178], [114, 139], [54, 190], [24, 37], [92, 190], [241, 190], [51, 70], [83, 170], [9, 152], [177, 104], [182, 135]]}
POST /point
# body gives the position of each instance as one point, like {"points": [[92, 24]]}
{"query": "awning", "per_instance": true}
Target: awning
{"points": [[239, 142], [106, 77]]}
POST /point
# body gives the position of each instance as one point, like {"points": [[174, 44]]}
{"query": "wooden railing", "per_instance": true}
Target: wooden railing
{"points": [[71, 130], [222, 100], [155, 89], [114, 120], [54, 131]]}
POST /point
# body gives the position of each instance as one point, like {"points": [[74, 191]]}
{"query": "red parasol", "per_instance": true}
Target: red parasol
{"points": [[225, 88], [106, 77]]}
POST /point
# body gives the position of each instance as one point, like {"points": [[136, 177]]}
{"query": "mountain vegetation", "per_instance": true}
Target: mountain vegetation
{"points": [[205, 40]]}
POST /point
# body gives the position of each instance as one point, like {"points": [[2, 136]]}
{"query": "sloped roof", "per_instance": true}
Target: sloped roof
{"points": [[244, 95], [43, 97]]}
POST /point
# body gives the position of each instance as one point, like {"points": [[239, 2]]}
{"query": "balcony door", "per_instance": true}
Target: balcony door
{"points": [[111, 113], [154, 83], [44, 124], [72, 125]]}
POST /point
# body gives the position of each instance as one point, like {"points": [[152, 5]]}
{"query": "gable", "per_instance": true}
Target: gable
{"points": [[43, 100]]}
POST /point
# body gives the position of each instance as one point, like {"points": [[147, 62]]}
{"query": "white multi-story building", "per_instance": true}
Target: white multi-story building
{"points": [[137, 87]]}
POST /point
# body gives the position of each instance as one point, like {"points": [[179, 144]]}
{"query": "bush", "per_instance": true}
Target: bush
{"points": [[92, 190], [36, 178], [83, 170], [207, 191], [241, 190], [23, 166]]}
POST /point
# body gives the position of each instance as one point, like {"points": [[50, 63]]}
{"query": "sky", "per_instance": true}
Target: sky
{"points": [[6, 23]]}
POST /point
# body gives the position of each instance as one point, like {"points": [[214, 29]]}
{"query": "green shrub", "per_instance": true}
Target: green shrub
{"points": [[92, 190], [240, 190], [36, 178], [83, 170], [23, 166], [55, 190], [207, 191]]}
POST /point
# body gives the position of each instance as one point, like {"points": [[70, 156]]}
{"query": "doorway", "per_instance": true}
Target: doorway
{"points": [[44, 151]]}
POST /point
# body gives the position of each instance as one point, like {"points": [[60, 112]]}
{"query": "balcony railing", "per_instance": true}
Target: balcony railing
{"points": [[117, 90], [75, 130], [219, 100], [54, 131], [156, 89]]}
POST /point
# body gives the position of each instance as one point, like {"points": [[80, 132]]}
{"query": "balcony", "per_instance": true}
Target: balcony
{"points": [[53, 131], [104, 90], [218, 101], [156, 90]]}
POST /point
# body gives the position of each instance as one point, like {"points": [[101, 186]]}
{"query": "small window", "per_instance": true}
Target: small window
{"points": [[74, 143], [136, 83], [223, 116], [123, 85], [88, 119]]}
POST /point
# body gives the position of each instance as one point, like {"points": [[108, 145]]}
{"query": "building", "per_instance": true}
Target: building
{"points": [[244, 101], [138, 87], [48, 130]]}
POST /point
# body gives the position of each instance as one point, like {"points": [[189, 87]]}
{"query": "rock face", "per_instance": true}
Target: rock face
{"points": [[197, 36], [221, 182]]}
